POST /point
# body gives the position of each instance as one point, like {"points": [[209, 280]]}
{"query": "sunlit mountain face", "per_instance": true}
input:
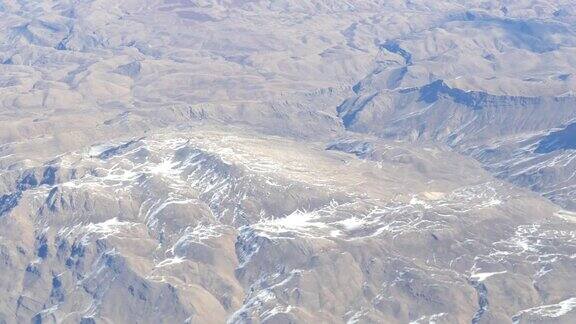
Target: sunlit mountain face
{"points": [[287, 161]]}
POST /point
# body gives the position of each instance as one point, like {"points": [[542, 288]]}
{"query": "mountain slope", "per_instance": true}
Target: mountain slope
{"points": [[175, 161]]}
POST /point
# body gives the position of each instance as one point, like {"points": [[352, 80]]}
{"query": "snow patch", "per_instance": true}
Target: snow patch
{"points": [[352, 223], [170, 261], [107, 228], [481, 276], [551, 311], [297, 222], [566, 215]]}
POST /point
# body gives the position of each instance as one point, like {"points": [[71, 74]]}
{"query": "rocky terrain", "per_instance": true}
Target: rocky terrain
{"points": [[287, 161]]}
